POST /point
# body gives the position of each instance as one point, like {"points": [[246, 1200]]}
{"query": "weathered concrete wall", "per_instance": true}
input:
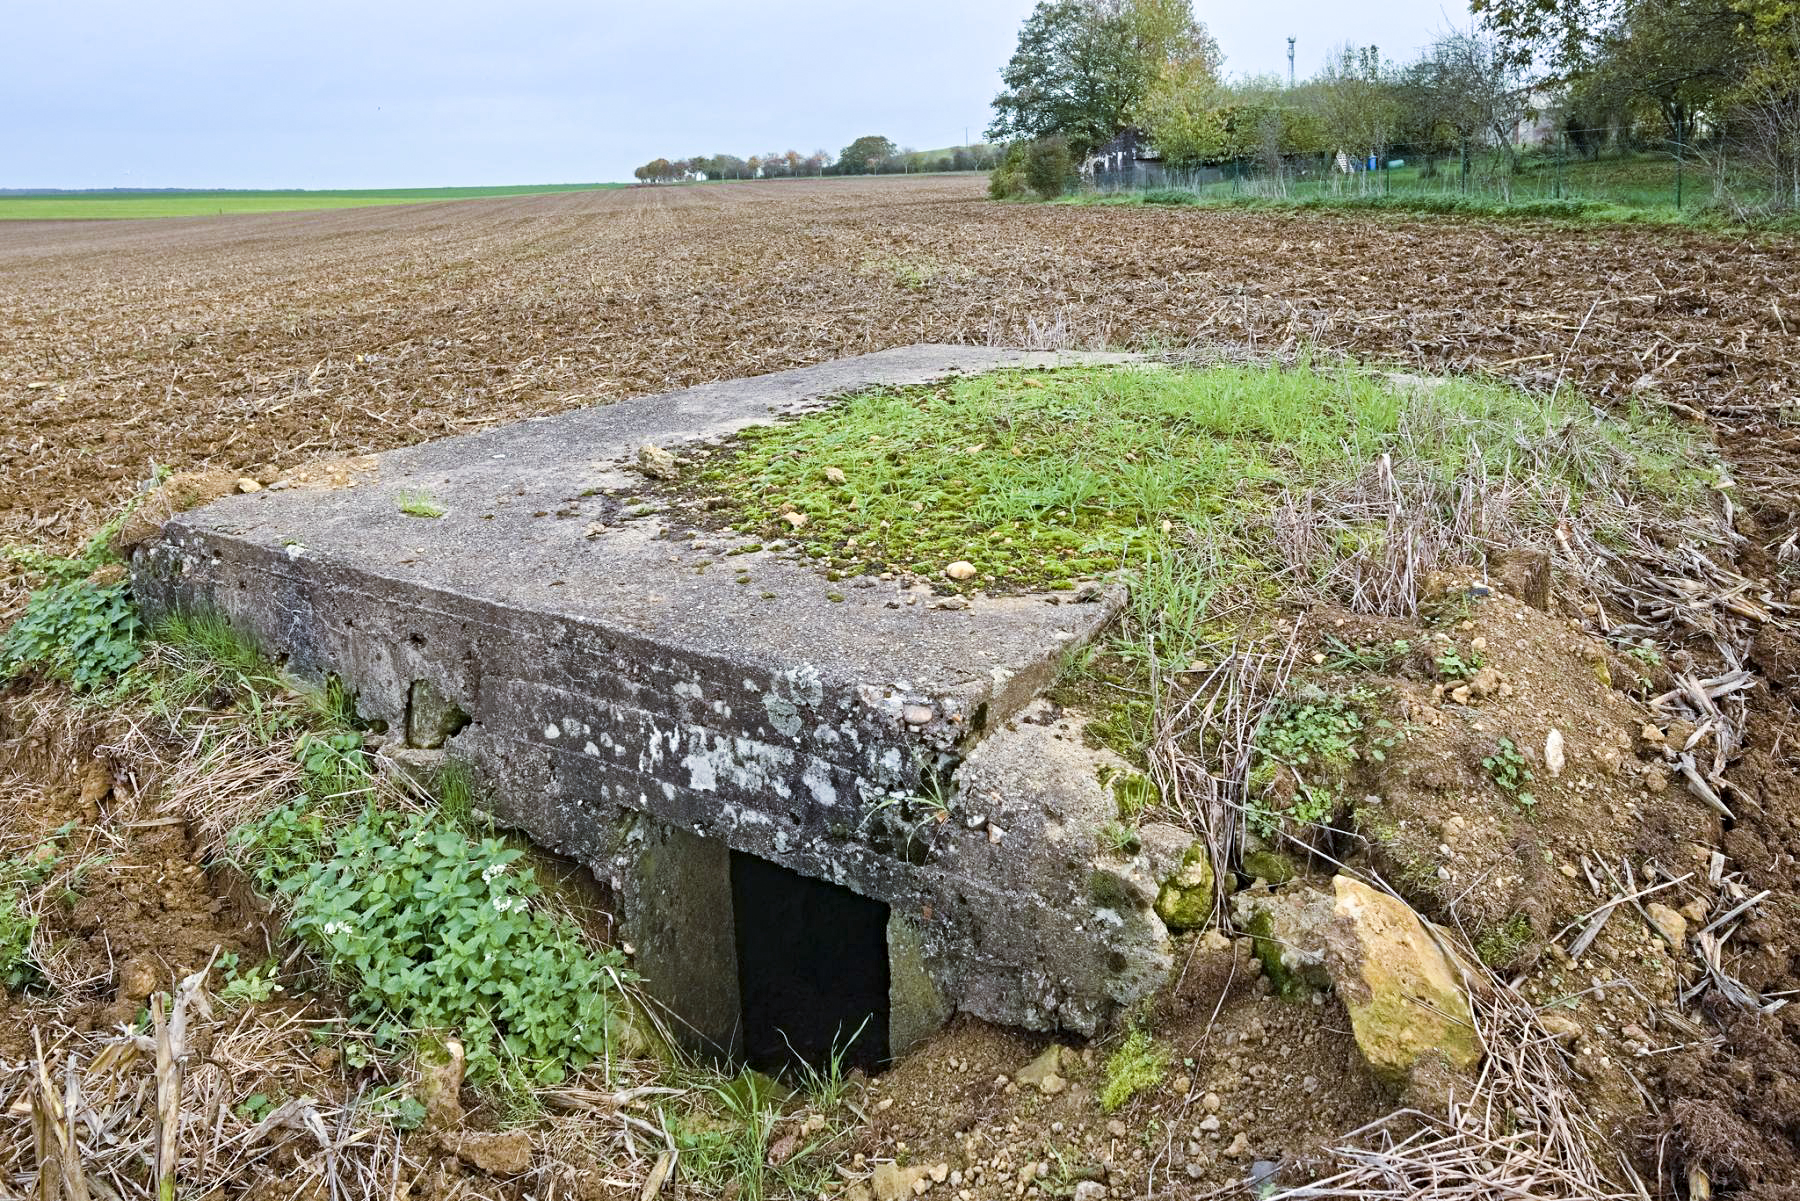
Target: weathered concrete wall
{"points": [[599, 678]]}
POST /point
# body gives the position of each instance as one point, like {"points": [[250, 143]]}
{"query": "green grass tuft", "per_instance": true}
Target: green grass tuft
{"points": [[419, 503], [1171, 479]]}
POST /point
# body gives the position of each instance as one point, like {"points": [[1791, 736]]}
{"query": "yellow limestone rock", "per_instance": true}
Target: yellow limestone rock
{"points": [[1404, 994]]}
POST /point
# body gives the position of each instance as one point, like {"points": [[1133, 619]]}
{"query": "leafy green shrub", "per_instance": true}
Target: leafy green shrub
{"points": [[429, 929], [79, 626], [1453, 665], [17, 970], [1007, 181], [1049, 167], [334, 764], [1136, 1067], [250, 987], [1313, 728], [1168, 196], [1507, 767], [76, 631]]}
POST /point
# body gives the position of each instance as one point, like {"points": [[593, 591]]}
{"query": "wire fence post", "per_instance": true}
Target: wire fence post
{"points": [[1680, 122]]}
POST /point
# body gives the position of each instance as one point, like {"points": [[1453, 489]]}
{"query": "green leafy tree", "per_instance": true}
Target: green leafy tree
{"points": [[1182, 113], [1765, 106], [1082, 67], [1465, 90], [1359, 101], [866, 155], [1682, 56], [1049, 167]]}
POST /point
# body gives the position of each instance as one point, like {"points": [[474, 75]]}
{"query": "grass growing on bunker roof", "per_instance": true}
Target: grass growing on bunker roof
{"points": [[1222, 494], [1039, 479]]}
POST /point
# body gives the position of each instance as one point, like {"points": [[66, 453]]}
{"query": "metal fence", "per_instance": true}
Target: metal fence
{"points": [[1566, 168]]}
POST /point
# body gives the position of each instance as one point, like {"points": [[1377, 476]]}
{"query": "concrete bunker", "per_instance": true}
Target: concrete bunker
{"points": [[686, 737]]}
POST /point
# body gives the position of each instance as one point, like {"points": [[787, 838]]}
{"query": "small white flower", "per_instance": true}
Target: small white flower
{"points": [[488, 873], [504, 904], [333, 929]]}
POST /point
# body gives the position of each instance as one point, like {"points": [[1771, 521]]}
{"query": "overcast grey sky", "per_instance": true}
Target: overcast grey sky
{"points": [[421, 93]]}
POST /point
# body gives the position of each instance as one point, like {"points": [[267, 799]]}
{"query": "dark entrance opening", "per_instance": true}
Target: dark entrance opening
{"points": [[812, 969]]}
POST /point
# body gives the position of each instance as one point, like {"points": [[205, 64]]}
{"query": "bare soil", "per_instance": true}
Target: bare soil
{"points": [[253, 345]]}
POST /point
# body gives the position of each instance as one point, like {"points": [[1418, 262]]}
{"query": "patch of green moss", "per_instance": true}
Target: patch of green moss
{"points": [[1272, 866], [1110, 892], [1134, 793], [1037, 477], [1136, 1067], [1164, 477], [1285, 982], [1500, 946], [1185, 900]]}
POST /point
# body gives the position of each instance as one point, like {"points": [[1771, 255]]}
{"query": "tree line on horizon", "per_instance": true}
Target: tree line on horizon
{"points": [[869, 155], [1692, 77]]}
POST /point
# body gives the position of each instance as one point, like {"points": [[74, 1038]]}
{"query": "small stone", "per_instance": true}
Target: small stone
{"points": [[795, 519], [1185, 900], [1669, 923], [1210, 1123], [1210, 1102], [919, 715], [1460, 694], [1116, 1128], [962, 569], [656, 462], [137, 980], [1273, 867], [940, 1173], [1553, 753], [1561, 1028], [1240, 1147], [1484, 683], [1043, 1069], [834, 474], [246, 484], [891, 1182], [1090, 1190], [96, 786], [507, 1154]]}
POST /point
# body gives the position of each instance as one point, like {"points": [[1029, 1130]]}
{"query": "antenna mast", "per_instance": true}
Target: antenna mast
{"points": [[1290, 62]]}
